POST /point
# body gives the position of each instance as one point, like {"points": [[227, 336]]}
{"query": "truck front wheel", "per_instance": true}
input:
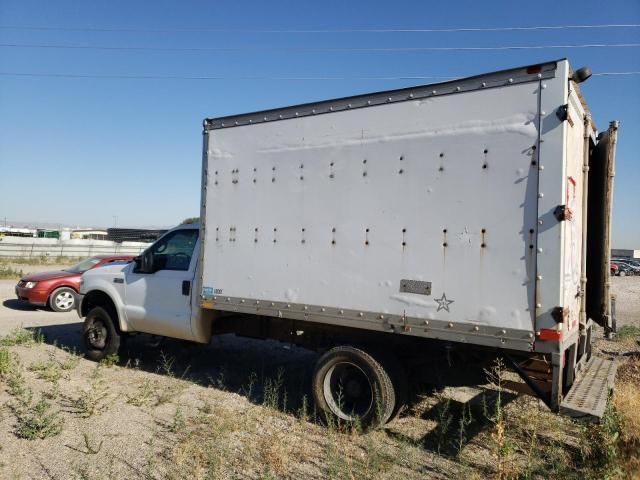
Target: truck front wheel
{"points": [[351, 385], [99, 333]]}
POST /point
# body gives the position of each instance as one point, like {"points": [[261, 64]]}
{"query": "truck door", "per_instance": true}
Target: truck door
{"points": [[601, 172], [160, 302]]}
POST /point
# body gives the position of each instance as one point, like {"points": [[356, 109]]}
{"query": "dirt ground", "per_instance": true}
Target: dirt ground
{"points": [[239, 408], [627, 294]]}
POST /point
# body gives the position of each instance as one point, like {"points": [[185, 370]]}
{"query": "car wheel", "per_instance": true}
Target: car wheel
{"points": [[621, 274], [350, 385], [99, 333], [62, 299]]}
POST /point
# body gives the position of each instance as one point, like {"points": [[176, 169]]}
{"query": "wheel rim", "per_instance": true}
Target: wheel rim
{"points": [[348, 391], [97, 335], [64, 300]]}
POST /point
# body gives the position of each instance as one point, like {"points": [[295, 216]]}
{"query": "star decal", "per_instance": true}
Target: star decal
{"points": [[443, 303]]}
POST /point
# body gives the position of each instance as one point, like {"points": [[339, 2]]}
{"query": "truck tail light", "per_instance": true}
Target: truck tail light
{"points": [[549, 334]]}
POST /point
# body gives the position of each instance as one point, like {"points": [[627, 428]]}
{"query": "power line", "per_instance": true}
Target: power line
{"points": [[603, 74], [314, 49], [251, 77], [216, 77], [320, 30]]}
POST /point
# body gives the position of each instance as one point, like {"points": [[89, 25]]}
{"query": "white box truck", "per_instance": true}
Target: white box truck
{"points": [[468, 216]]}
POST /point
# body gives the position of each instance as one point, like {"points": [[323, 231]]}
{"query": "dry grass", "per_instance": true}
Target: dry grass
{"points": [[8, 272], [173, 428], [41, 260], [275, 453], [626, 399]]}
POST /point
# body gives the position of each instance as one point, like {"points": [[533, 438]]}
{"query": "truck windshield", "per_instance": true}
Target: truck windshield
{"points": [[84, 265]]}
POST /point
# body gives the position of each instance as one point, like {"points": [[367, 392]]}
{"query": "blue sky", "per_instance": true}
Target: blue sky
{"points": [[83, 150]]}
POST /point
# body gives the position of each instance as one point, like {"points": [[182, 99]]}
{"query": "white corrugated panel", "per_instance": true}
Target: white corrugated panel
{"points": [[336, 209]]}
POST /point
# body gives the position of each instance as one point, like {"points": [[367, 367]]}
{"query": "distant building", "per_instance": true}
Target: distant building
{"points": [[18, 232], [133, 234], [47, 233], [88, 234], [621, 252]]}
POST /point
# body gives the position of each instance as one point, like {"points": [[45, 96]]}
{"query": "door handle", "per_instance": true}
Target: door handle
{"points": [[186, 287]]}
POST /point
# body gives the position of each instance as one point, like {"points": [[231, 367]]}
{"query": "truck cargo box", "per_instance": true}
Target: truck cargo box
{"points": [[434, 209]]}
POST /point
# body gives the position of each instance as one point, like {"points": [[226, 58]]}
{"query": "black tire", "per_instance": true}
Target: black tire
{"points": [[99, 333], [350, 385], [62, 299]]}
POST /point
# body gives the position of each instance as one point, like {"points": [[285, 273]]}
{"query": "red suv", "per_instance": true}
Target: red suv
{"points": [[58, 289]]}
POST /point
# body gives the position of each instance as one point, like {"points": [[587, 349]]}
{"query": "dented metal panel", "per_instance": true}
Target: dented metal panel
{"points": [[552, 192], [485, 81], [334, 211]]}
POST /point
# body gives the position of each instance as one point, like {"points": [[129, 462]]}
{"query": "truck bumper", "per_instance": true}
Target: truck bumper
{"points": [[33, 296], [588, 395]]}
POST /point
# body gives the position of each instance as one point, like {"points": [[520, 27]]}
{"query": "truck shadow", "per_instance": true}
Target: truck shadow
{"points": [[457, 423], [263, 371], [278, 375]]}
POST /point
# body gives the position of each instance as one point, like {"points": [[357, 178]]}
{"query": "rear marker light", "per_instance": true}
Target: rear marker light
{"points": [[549, 334]]}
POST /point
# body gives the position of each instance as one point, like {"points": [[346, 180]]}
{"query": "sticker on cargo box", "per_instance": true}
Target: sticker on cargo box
{"points": [[207, 292]]}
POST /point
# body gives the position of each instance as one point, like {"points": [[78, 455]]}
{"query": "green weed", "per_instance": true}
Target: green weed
{"points": [[8, 272], [178, 424], [49, 371], [271, 390], [445, 419], [110, 360], [90, 401], [6, 362], [143, 396], [22, 336], [626, 332], [35, 421]]}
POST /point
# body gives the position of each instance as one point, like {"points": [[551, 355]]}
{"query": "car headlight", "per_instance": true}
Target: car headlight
{"points": [[30, 284]]}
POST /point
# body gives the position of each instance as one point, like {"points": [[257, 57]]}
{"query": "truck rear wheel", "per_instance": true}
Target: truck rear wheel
{"points": [[351, 385], [99, 333]]}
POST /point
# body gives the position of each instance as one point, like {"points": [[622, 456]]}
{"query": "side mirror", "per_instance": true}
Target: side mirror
{"points": [[144, 262]]}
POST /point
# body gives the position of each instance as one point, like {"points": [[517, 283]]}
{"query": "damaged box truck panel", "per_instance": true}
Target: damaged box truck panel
{"points": [[414, 213], [433, 209], [454, 211]]}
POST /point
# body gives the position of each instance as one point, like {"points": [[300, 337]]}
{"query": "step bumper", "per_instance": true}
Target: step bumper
{"points": [[588, 395]]}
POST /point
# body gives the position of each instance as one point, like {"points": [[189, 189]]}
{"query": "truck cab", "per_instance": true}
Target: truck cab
{"points": [[153, 294]]}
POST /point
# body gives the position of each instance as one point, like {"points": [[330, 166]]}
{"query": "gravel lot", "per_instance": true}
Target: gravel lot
{"points": [[175, 410], [627, 293]]}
